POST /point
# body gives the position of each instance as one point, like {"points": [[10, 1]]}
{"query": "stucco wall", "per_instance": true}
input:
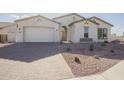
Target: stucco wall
{"points": [[72, 29], [65, 21], [104, 25], [75, 32], [78, 31], [37, 21], [112, 37]]}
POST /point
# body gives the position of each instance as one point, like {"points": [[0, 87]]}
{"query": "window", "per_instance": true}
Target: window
{"points": [[102, 33], [86, 32]]}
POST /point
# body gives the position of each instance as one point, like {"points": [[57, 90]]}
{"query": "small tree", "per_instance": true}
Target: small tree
{"points": [[106, 41], [91, 47], [61, 42], [68, 49], [77, 60], [103, 44], [112, 51]]}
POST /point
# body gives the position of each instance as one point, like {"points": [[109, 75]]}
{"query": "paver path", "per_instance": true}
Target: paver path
{"points": [[53, 67]]}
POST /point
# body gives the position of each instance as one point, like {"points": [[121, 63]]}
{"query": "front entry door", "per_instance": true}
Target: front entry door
{"points": [[64, 33]]}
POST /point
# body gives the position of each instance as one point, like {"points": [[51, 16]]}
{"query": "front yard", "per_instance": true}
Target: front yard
{"points": [[36, 61], [103, 57]]}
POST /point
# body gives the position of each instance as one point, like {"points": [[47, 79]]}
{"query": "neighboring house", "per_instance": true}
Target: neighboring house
{"points": [[71, 27], [5, 35]]}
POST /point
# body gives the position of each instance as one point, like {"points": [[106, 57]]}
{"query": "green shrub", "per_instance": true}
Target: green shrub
{"points": [[112, 51], [106, 42], [77, 60], [103, 44], [68, 49], [61, 42], [91, 47], [81, 39], [97, 57]]}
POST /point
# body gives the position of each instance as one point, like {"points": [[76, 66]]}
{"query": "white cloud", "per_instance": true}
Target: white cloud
{"points": [[49, 15], [14, 16], [23, 16], [18, 16]]}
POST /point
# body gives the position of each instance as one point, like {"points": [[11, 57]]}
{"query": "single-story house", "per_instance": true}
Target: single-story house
{"points": [[78, 28], [33, 29], [71, 28]]}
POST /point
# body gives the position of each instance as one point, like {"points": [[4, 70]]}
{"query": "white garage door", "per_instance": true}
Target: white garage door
{"points": [[38, 34]]}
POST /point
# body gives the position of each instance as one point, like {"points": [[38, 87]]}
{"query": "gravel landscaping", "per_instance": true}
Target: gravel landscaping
{"points": [[17, 60], [96, 61]]}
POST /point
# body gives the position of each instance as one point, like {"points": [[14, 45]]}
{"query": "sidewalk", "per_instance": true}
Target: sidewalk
{"points": [[114, 73]]}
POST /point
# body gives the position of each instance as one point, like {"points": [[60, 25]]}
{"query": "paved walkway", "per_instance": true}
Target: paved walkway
{"points": [[53, 67], [114, 73]]}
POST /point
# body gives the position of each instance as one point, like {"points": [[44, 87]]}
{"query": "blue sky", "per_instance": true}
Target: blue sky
{"points": [[117, 19]]}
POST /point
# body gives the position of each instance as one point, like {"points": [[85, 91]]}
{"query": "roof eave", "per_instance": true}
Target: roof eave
{"points": [[36, 16], [69, 15], [102, 21], [82, 21]]}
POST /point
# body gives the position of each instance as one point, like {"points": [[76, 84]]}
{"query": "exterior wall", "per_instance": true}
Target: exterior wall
{"points": [[65, 21], [78, 31], [10, 31], [104, 25], [72, 29], [35, 22], [15, 31], [113, 37]]}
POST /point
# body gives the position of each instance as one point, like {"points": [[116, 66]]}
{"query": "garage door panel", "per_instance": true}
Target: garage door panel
{"points": [[38, 34]]}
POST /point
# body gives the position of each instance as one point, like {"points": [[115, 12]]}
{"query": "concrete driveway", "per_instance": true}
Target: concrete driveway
{"points": [[53, 67], [32, 61]]}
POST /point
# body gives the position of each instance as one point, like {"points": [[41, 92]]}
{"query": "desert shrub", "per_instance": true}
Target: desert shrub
{"points": [[106, 42], [68, 49], [77, 60], [61, 42], [103, 44], [81, 39], [112, 51], [97, 57], [91, 47]]}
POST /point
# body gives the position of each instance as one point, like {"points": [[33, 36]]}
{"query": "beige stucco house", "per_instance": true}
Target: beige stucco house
{"points": [[71, 28], [33, 29], [79, 28]]}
